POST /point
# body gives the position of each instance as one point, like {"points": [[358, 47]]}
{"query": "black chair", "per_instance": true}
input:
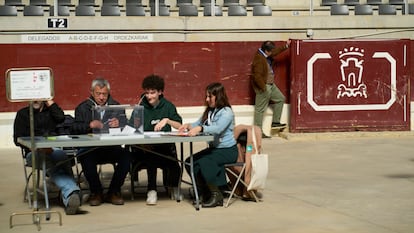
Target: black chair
{"points": [[231, 2], [66, 3], [32, 10], [111, 2], [374, 2], [88, 3], [363, 9], [262, 11], [187, 10], [396, 2], [410, 9], [184, 2], [255, 3], [8, 10], [135, 10], [14, 3], [39, 3], [206, 2], [62, 10], [339, 9], [328, 2], [160, 2], [163, 11], [351, 2], [217, 10], [386, 9], [236, 10], [110, 10], [85, 10], [134, 2]]}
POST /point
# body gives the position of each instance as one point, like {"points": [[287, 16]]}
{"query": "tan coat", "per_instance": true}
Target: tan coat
{"points": [[246, 156]]}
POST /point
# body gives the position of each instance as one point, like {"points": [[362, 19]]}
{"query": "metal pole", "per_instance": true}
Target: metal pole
{"points": [[34, 157], [406, 7], [311, 7], [55, 9], [213, 7], [157, 7]]}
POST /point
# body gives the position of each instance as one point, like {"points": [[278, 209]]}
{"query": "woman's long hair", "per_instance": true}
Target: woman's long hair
{"points": [[218, 90]]}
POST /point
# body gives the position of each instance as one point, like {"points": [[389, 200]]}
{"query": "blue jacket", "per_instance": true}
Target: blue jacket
{"points": [[221, 125]]}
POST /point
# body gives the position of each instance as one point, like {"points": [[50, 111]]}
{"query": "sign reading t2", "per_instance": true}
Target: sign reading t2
{"points": [[57, 23]]}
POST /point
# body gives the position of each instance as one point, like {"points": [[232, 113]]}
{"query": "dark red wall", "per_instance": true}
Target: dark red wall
{"points": [[348, 85], [187, 68]]}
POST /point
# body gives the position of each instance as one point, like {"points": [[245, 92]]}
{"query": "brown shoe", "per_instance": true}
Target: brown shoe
{"points": [[95, 199], [114, 198]]}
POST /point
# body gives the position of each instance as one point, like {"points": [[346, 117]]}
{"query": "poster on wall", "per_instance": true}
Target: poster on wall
{"points": [[27, 84]]}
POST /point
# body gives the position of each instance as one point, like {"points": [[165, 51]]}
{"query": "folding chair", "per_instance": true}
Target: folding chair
{"points": [[41, 174], [236, 171], [239, 179]]}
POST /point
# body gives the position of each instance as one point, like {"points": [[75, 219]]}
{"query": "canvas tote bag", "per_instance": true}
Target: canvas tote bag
{"points": [[259, 168]]}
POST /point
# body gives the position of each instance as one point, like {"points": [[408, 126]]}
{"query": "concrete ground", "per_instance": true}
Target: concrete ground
{"points": [[317, 183]]}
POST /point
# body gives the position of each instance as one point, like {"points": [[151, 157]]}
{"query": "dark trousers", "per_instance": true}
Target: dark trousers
{"points": [[151, 161], [115, 155], [209, 163]]}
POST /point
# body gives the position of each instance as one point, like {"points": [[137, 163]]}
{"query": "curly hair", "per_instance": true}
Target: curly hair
{"points": [[153, 82]]}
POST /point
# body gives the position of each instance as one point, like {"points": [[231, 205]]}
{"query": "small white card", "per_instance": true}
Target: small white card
{"points": [[127, 130]]}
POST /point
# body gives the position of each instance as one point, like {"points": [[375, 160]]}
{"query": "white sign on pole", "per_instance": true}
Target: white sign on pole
{"points": [[26, 84]]}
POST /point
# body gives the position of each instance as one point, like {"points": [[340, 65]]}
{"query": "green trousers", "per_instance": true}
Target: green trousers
{"points": [[273, 95]]}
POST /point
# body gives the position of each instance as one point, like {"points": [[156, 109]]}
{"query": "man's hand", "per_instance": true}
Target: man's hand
{"points": [[113, 123], [95, 124], [288, 43]]}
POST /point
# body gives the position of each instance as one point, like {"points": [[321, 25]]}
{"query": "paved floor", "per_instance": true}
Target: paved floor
{"points": [[333, 183]]}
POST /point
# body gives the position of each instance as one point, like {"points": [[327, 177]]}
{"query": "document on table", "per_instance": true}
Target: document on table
{"points": [[127, 130], [117, 133]]}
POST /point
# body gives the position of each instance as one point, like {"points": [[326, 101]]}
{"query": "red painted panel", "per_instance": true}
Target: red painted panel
{"points": [[187, 68], [350, 85]]}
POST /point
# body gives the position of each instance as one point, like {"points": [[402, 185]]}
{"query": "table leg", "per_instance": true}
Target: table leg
{"points": [[193, 180]]}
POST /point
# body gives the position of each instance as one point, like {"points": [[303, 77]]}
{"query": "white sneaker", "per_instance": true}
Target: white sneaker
{"points": [[152, 197]]}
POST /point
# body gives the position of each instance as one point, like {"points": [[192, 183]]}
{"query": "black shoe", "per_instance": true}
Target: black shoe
{"points": [[73, 204], [265, 136], [216, 199], [277, 124]]}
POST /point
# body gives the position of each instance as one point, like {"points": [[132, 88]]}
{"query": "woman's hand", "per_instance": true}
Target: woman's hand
{"points": [[184, 127], [195, 131]]}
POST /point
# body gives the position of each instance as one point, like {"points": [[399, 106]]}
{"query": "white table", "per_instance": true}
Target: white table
{"points": [[94, 140]]}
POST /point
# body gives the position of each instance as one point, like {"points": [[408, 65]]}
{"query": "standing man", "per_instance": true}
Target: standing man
{"points": [[262, 79], [89, 119], [46, 115]]}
